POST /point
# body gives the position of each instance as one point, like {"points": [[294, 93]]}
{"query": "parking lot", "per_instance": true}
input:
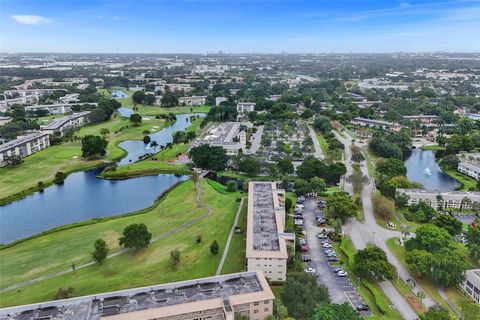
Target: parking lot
{"points": [[339, 287]]}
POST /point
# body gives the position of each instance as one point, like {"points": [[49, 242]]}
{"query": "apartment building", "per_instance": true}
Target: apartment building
{"points": [[442, 200], [471, 169], [266, 238], [24, 146], [63, 124], [212, 298], [58, 108], [243, 108], [219, 100], [5, 120], [379, 124], [471, 285], [193, 100], [422, 118], [228, 135]]}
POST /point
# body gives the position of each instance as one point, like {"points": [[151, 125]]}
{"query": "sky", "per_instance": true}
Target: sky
{"points": [[248, 26]]}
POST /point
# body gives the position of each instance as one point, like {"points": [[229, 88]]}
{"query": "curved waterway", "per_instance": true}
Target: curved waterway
{"points": [[423, 168], [83, 196]]}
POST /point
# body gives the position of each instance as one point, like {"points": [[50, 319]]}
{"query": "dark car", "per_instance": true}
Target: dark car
{"points": [[362, 307], [332, 259], [306, 258]]}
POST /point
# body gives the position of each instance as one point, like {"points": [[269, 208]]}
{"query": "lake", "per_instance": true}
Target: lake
{"points": [[82, 197], [136, 148], [423, 168]]}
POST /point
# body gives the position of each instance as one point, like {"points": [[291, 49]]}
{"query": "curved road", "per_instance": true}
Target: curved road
{"points": [[368, 230]]}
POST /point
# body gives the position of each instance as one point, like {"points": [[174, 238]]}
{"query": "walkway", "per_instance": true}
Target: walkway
{"points": [[230, 235], [318, 150], [199, 202]]}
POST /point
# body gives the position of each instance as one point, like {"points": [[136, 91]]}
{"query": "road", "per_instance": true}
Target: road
{"points": [[368, 231], [316, 144], [256, 139]]}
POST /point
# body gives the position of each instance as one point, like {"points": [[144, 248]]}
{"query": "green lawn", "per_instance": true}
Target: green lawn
{"points": [[467, 182], [155, 110], [432, 148], [235, 261], [323, 143], [370, 292], [56, 251], [46, 119], [42, 166], [145, 168]]}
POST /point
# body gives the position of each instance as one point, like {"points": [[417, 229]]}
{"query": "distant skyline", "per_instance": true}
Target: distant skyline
{"points": [[263, 26]]}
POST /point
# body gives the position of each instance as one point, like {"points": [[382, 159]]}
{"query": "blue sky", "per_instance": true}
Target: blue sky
{"points": [[199, 26]]}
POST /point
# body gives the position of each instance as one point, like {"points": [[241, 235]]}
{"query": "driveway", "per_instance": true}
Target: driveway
{"points": [[256, 139]]}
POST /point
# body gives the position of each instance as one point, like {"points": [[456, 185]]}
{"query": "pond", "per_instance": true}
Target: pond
{"points": [[136, 148], [119, 94], [82, 197], [423, 168]]}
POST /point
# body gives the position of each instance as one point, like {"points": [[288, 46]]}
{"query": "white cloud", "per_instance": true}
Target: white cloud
{"points": [[31, 19]]}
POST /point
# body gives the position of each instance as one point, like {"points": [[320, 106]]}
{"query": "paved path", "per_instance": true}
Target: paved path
{"points": [[367, 231], [230, 235], [199, 202], [450, 303], [256, 139], [318, 150]]}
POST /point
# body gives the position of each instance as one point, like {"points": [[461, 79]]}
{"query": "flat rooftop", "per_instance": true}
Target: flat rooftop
{"points": [[21, 140], [265, 222], [96, 307], [57, 123]]}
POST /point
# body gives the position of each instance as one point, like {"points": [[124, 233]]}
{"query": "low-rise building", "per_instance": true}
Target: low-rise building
{"points": [[228, 135], [61, 125], [212, 298], [379, 124], [193, 100], [4, 120], [58, 108], [471, 169], [442, 200], [243, 108], [24, 146], [422, 118], [219, 100], [266, 238], [471, 285]]}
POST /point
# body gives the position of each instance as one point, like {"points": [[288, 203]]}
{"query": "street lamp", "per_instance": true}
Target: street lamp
{"points": [[373, 237]]}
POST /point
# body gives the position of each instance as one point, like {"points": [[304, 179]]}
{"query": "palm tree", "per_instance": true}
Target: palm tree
{"points": [[466, 201], [154, 145]]}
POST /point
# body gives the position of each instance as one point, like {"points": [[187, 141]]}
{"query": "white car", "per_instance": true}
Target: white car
{"points": [[327, 245], [310, 270], [341, 273], [299, 222], [321, 235]]}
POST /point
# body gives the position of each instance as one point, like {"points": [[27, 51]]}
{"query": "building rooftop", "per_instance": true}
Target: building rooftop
{"points": [[23, 139], [58, 123], [265, 220], [246, 286], [374, 121]]}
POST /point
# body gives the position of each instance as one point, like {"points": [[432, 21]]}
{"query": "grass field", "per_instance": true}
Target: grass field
{"points": [[370, 292], [145, 168], [432, 148], [42, 166], [46, 119], [323, 143], [148, 266], [468, 183], [235, 261]]}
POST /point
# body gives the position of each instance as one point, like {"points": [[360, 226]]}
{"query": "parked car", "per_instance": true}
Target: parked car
{"points": [[310, 270], [298, 222], [302, 241], [321, 221], [337, 269], [322, 235], [332, 259], [304, 248], [327, 245], [341, 273], [362, 307], [306, 258]]}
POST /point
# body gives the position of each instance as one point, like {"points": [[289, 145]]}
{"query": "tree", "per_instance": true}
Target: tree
{"points": [[449, 223], [301, 187], [214, 247], [135, 236], [101, 251], [473, 241], [175, 257], [209, 157], [64, 293], [372, 263], [341, 205], [169, 99], [301, 294], [104, 132], [391, 167], [401, 200], [147, 139], [450, 161], [93, 146], [419, 261], [429, 238], [12, 160], [288, 204], [383, 206], [135, 119], [357, 179], [317, 185], [138, 97], [285, 166], [448, 266], [436, 313], [59, 177], [249, 164], [335, 312]]}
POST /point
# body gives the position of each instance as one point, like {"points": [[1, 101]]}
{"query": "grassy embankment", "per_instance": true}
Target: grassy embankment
{"points": [[369, 291], [466, 182], [427, 285], [154, 110], [22, 180], [163, 162], [434, 148], [58, 250]]}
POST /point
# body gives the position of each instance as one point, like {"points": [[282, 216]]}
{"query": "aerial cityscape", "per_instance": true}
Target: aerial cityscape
{"points": [[263, 160]]}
